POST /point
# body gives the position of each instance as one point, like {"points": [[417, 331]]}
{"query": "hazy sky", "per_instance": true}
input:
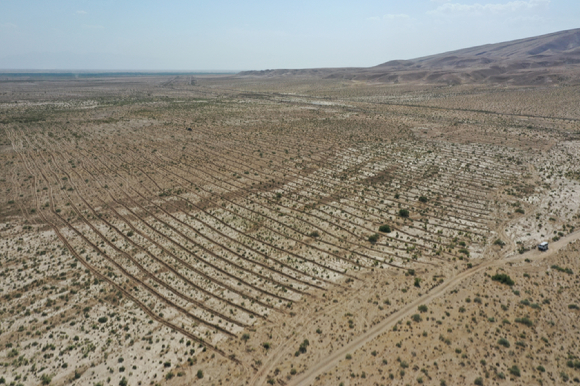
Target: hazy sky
{"points": [[239, 35]]}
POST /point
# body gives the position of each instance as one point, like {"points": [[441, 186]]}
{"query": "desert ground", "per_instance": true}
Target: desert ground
{"points": [[247, 230]]}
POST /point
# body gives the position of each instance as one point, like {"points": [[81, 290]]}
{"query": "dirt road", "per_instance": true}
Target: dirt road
{"points": [[308, 377]]}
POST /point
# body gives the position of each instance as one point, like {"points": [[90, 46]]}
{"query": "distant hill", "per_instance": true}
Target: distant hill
{"points": [[546, 59]]}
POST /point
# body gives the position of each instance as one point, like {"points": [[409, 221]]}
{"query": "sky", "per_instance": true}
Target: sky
{"points": [[222, 35]]}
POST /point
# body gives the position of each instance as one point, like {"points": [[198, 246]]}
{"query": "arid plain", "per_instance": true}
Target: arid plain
{"points": [[247, 230]]}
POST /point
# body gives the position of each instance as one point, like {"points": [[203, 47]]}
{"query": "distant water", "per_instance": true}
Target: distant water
{"points": [[76, 75]]}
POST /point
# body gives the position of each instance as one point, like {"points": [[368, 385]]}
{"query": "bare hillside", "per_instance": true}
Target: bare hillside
{"points": [[546, 59]]}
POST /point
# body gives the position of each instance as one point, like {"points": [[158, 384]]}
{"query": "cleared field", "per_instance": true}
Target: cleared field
{"points": [[152, 228]]}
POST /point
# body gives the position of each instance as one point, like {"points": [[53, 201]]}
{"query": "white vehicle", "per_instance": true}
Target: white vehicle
{"points": [[543, 246]]}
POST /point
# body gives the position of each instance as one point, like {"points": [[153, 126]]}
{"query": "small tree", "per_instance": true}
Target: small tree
{"points": [[404, 213], [503, 278], [374, 238], [385, 228]]}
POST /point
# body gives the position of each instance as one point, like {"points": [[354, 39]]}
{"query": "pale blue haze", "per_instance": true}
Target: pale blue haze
{"points": [[239, 35]]}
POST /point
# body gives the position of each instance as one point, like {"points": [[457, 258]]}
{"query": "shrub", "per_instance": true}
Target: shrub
{"points": [[416, 318], [499, 242], [123, 382], [385, 228], [266, 345], [169, 375], [422, 308], [515, 370], [478, 381], [245, 337], [348, 356], [573, 306], [103, 319], [504, 342], [417, 282], [314, 234], [560, 269], [303, 346], [199, 374], [404, 213], [423, 199], [374, 238], [503, 278], [525, 321], [46, 379], [541, 369]]}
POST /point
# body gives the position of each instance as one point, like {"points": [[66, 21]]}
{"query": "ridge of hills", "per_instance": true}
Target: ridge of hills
{"points": [[547, 59]]}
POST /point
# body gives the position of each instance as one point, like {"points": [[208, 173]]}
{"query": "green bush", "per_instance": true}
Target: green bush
{"points": [[416, 318], [504, 342], [422, 308], [541, 369], [560, 269], [199, 374], [45, 379], [303, 346], [123, 382], [499, 242], [503, 278], [423, 199], [478, 381], [515, 370], [404, 213], [385, 228], [374, 238], [525, 321]]}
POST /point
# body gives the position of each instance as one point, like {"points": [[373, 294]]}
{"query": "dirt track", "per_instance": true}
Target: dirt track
{"points": [[332, 360]]}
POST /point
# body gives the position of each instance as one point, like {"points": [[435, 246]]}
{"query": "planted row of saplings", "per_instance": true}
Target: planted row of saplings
{"points": [[443, 187], [292, 209], [188, 252], [167, 251], [229, 225], [359, 216], [211, 182], [99, 236], [102, 277]]}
